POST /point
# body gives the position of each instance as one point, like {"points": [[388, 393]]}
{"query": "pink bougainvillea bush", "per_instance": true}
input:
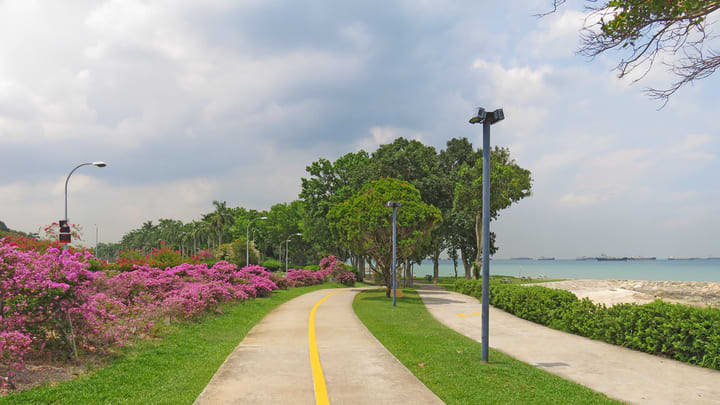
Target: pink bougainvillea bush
{"points": [[300, 277], [338, 270], [51, 303]]}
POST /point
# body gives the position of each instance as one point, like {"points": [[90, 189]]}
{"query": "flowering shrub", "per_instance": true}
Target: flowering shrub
{"points": [[51, 302], [301, 277], [24, 243], [14, 346], [345, 277], [162, 258], [338, 270]]}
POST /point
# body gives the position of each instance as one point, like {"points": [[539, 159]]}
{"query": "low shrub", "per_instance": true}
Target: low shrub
{"points": [[680, 332], [273, 265]]}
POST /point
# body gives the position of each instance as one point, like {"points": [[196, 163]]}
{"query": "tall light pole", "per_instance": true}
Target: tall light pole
{"points": [[98, 164], [486, 119], [286, 249], [96, 240], [394, 205], [247, 241]]}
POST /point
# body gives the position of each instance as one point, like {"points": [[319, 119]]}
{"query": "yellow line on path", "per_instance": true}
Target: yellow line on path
{"points": [[321, 395]]}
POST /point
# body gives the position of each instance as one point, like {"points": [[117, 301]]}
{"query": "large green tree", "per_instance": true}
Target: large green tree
{"points": [[509, 183], [641, 31], [419, 164], [459, 222], [364, 222], [330, 183]]}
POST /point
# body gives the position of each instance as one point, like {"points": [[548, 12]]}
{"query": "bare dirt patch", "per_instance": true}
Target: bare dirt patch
{"points": [[38, 372], [611, 292]]}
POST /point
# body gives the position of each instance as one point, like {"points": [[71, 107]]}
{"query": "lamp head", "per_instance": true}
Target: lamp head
{"points": [[99, 164], [498, 115], [480, 117], [262, 218]]}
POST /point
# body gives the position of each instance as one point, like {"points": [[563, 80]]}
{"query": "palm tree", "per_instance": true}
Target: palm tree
{"points": [[220, 218]]}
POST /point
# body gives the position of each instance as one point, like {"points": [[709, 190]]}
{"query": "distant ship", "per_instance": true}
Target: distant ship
{"points": [[585, 258], [683, 258], [546, 258], [521, 258], [605, 258], [641, 258]]}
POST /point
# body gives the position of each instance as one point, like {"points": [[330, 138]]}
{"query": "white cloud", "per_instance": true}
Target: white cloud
{"points": [[385, 134], [558, 36]]}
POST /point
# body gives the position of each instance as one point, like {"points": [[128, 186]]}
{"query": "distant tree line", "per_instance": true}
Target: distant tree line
{"points": [[449, 180]]}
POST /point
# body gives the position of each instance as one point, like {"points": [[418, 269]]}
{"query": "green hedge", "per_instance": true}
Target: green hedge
{"points": [[273, 265], [680, 332]]}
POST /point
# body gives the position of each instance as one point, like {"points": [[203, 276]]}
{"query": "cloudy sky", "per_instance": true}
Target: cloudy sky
{"points": [[193, 101]]}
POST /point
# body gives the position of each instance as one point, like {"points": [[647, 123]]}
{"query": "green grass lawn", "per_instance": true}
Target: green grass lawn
{"points": [[171, 370], [450, 364]]}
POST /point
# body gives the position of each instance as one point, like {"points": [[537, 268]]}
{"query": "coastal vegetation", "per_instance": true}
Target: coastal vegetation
{"points": [[449, 363], [680, 332]]}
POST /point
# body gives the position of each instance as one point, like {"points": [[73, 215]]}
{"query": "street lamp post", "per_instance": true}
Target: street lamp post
{"points": [[96, 241], [247, 240], [98, 164], [287, 251], [394, 205], [486, 119]]}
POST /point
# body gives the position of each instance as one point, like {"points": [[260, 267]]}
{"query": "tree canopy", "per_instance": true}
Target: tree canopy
{"points": [[509, 183], [643, 30], [365, 222]]}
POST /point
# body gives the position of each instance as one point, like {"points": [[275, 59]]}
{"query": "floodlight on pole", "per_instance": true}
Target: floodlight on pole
{"points": [[394, 205], [286, 249], [487, 119], [98, 164], [247, 240]]}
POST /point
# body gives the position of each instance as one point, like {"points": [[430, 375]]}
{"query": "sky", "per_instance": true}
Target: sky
{"points": [[190, 102]]}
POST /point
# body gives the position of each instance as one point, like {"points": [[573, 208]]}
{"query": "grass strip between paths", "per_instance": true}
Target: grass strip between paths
{"points": [[450, 364], [171, 370]]}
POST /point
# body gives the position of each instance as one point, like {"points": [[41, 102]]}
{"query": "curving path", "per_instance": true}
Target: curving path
{"points": [[272, 365], [620, 373]]}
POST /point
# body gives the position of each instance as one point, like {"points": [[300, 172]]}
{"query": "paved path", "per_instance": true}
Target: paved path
{"points": [[272, 364], [618, 372]]}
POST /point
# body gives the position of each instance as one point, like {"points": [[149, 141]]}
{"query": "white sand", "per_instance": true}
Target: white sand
{"points": [[610, 292]]}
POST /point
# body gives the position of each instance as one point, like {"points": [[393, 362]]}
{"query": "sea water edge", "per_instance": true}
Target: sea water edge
{"points": [[661, 269]]}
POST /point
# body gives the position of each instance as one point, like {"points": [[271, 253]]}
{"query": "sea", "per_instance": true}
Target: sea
{"points": [[660, 269]]}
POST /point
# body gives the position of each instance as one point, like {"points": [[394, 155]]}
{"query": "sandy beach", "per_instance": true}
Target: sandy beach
{"points": [[610, 292]]}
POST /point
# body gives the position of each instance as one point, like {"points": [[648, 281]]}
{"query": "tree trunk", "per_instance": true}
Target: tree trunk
{"points": [[361, 268], [479, 241], [408, 274], [466, 264], [387, 275], [436, 266]]}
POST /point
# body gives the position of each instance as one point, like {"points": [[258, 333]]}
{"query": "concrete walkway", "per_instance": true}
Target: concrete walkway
{"points": [[272, 364], [620, 373]]}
